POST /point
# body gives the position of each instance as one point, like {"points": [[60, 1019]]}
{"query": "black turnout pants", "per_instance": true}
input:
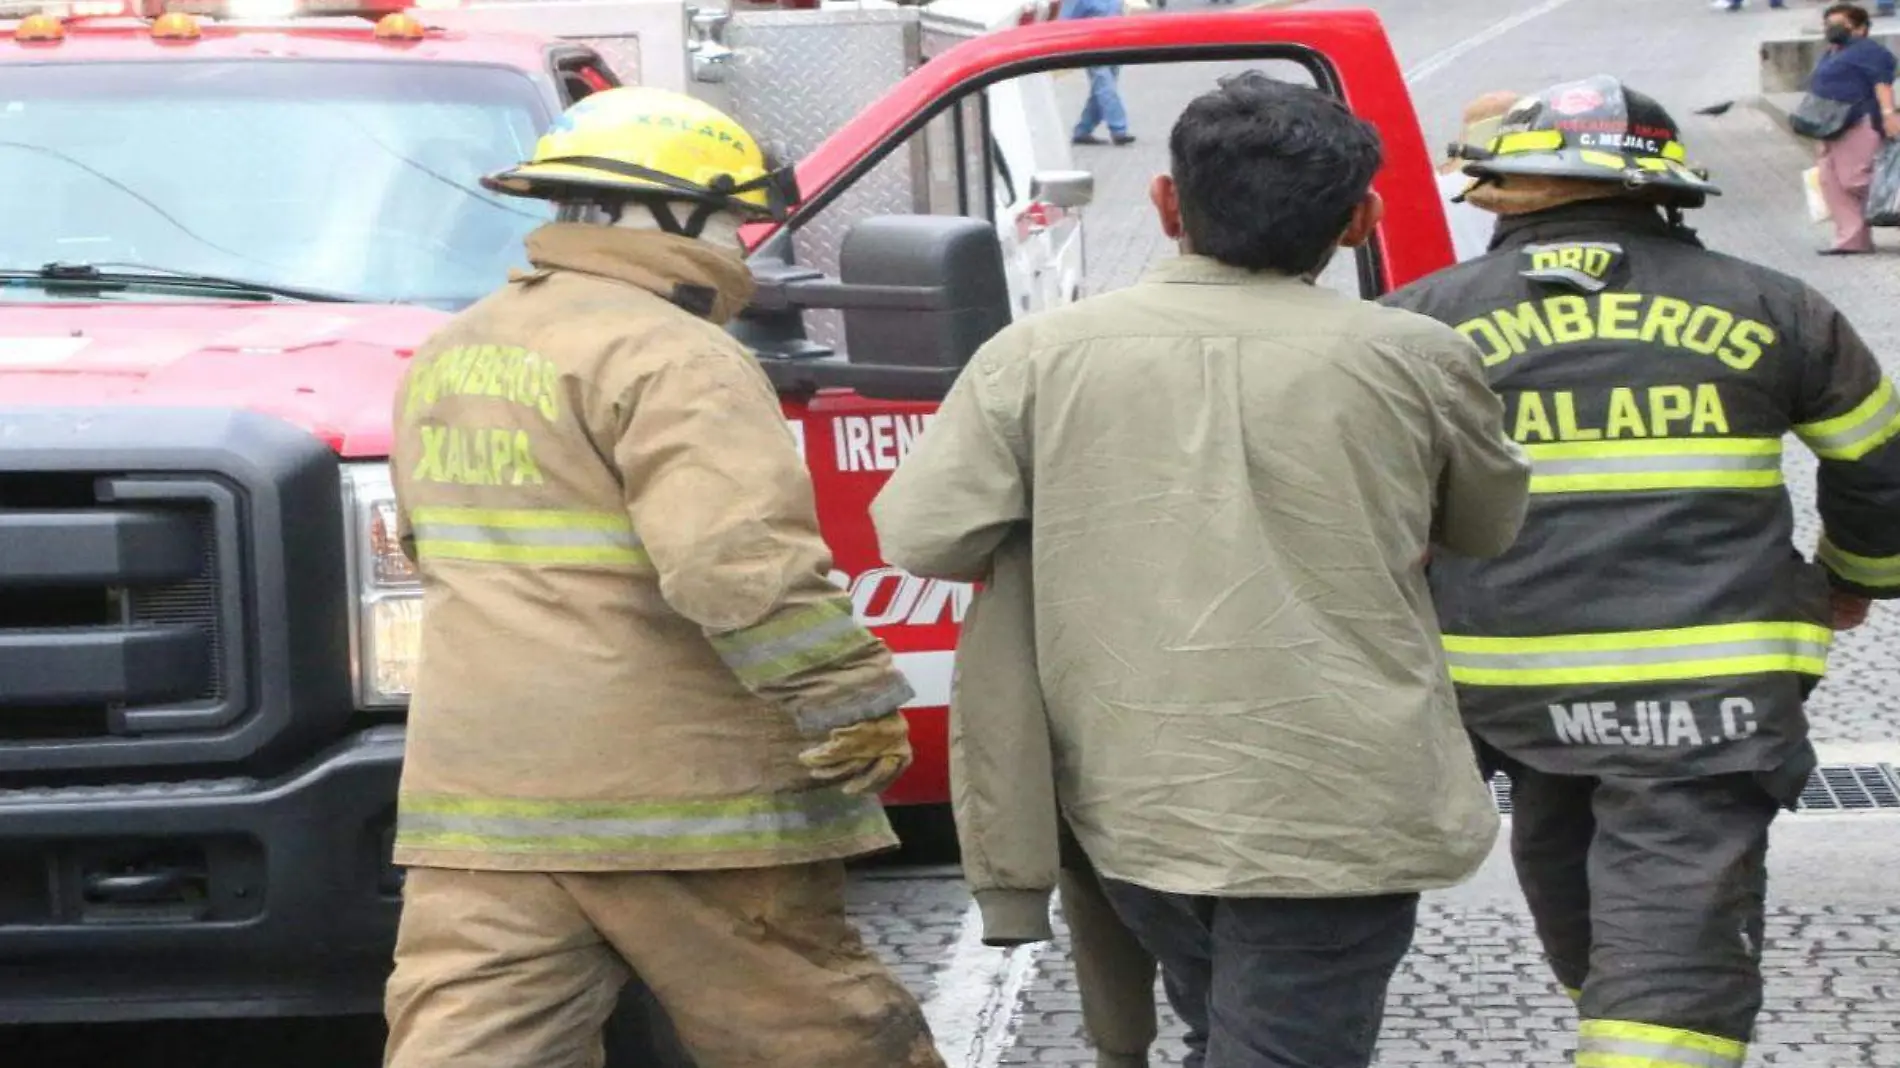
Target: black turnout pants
{"points": [[1648, 896]]}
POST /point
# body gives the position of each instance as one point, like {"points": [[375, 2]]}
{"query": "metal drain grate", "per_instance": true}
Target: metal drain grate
{"points": [[1832, 788], [1850, 788]]}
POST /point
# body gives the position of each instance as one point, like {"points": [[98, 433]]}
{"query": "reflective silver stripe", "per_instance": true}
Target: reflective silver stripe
{"points": [[521, 536], [1877, 572], [793, 640], [527, 536], [1614, 465], [739, 655], [1619, 657], [1654, 464], [873, 704], [1654, 1054], [1861, 432], [829, 808]]}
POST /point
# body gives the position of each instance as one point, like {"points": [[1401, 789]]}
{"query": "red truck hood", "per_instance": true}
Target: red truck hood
{"points": [[329, 368]]}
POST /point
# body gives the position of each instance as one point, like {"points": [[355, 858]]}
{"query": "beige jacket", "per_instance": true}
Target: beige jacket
{"points": [[628, 633], [1002, 766], [1232, 480]]}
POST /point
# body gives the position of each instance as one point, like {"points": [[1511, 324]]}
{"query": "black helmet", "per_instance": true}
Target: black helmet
{"points": [[1594, 130]]}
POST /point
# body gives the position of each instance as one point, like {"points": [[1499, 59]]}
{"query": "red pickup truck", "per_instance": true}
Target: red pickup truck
{"points": [[222, 240]]}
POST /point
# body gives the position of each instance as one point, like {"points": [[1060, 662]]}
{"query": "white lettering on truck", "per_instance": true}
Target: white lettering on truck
{"points": [[876, 442], [889, 596]]}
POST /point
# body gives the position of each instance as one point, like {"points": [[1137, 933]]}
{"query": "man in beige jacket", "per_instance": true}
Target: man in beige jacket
{"points": [[1232, 478], [646, 731]]}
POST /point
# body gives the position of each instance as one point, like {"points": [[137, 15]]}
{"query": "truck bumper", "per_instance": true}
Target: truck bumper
{"points": [[218, 898]]}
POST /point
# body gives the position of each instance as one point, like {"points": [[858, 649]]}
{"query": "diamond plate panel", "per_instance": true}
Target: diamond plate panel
{"points": [[796, 77], [622, 53]]}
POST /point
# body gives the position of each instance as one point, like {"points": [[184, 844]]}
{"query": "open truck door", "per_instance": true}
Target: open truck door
{"points": [[863, 320], [865, 315]]}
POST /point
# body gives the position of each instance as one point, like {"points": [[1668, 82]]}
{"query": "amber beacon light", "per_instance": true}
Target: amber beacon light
{"points": [[176, 26], [40, 29]]}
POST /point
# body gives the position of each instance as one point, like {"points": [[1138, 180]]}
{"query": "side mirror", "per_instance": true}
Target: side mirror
{"points": [[920, 294], [1063, 189]]}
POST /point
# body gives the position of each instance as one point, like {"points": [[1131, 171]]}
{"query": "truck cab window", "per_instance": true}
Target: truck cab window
{"points": [[582, 76]]}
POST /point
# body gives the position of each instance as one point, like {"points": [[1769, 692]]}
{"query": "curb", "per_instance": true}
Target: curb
{"points": [[1777, 106]]}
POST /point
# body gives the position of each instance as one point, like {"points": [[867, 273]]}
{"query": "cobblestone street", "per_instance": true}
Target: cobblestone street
{"points": [[1474, 991]]}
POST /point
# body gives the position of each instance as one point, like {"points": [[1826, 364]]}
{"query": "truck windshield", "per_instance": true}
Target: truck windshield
{"points": [[356, 178]]}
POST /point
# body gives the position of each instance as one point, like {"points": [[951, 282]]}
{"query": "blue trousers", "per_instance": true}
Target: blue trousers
{"points": [[1273, 983], [1104, 104]]}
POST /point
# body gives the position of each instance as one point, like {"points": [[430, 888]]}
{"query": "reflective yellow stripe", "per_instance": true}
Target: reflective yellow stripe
{"points": [[1625, 1044], [527, 536], [1601, 159], [1528, 141], [1655, 464], [1872, 572], [1639, 656], [1674, 150], [1866, 427], [607, 829], [524, 518], [794, 640]]}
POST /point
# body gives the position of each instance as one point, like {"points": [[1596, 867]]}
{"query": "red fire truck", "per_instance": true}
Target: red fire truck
{"points": [[223, 238]]}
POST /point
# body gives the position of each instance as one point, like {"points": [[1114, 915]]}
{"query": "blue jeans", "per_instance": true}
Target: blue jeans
{"points": [[1104, 105]]}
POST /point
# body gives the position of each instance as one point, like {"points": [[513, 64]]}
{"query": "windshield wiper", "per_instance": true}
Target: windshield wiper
{"points": [[89, 275]]}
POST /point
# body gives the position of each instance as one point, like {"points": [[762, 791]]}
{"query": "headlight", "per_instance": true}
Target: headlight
{"points": [[385, 597]]}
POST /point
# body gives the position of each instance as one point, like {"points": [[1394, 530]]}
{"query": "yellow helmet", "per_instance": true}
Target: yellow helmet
{"points": [[647, 144]]}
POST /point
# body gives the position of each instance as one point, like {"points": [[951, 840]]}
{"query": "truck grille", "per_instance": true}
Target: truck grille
{"points": [[173, 595], [112, 615]]}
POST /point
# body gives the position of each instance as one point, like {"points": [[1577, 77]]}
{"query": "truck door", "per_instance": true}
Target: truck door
{"points": [[859, 397]]}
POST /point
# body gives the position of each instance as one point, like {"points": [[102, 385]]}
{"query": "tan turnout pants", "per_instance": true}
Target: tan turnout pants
{"points": [[755, 967]]}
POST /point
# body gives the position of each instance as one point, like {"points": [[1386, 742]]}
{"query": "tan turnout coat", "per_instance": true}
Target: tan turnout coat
{"points": [[628, 632]]}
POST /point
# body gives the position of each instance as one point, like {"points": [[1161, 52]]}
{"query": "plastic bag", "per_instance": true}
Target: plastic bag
{"points": [[1817, 204], [1883, 197]]}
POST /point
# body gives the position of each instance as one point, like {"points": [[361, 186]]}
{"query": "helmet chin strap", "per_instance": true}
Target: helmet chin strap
{"points": [[643, 214]]}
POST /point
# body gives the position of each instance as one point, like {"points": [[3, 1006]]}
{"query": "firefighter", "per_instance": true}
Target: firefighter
{"points": [[646, 729], [1637, 663]]}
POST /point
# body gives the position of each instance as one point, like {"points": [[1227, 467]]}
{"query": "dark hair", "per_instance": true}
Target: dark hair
{"points": [[1856, 15], [1269, 172]]}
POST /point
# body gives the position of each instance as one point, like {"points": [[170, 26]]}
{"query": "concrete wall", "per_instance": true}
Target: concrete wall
{"points": [[1786, 62]]}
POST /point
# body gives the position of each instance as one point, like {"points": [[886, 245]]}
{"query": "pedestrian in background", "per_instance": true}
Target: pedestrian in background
{"points": [[1471, 227], [1638, 661], [1858, 72], [1255, 737], [1104, 104]]}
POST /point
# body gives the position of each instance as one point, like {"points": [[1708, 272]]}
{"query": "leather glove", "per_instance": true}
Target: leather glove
{"points": [[1849, 609], [864, 757]]}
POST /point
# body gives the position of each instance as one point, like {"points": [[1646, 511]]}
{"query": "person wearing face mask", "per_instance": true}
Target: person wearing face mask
{"points": [[1229, 477], [1856, 71], [646, 730], [1471, 227]]}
